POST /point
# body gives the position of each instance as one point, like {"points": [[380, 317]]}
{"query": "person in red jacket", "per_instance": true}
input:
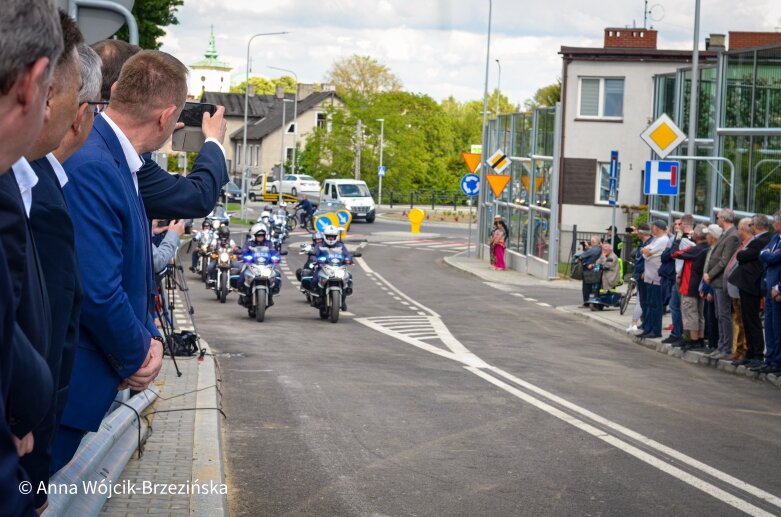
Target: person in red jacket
{"points": [[689, 289]]}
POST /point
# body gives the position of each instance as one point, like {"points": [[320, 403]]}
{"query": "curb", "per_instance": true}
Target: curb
{"points": [[691, 357], [208, 466]]}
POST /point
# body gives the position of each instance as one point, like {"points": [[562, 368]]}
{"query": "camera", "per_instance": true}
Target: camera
{"points": [[163, 223], [630, 229]]}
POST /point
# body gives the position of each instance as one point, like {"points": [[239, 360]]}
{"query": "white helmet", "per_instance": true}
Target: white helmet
{"points": [[256, 228], [331, 236]]}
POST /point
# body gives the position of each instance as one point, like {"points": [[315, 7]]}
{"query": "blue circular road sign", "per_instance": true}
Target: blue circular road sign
{"points": [[470, 184]]}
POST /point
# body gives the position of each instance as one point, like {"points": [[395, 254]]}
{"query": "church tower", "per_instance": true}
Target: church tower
{"points": [[209, 74]]}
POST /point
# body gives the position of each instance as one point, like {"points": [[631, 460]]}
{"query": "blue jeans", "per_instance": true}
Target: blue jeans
{"points": [[652, 310], [675, 312], [642, 295]]}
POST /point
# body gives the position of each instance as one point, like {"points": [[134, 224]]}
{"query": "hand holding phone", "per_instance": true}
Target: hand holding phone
{"points": [[191, 137], [213, 125]]}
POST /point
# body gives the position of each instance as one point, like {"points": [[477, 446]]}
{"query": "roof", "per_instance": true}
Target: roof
{"points": [[211, 59], [273, 117], [632, 54], [344, 181]]}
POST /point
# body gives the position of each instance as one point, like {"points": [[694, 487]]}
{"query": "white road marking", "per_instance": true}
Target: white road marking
{"points": [[390, 286], [531, 299], [682, 475], [345, 313], [543, 304], [474, 364], [519, 295]]}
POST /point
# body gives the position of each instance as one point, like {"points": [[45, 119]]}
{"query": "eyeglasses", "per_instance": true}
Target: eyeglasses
{"points": [[99, 105]]}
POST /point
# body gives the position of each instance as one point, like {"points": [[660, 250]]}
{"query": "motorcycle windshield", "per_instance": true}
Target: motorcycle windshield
{"points": [[263, 255], [332, 257]]}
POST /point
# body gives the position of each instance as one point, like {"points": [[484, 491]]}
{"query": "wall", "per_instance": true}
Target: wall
{"points": [[587, 139], [216, 81]]}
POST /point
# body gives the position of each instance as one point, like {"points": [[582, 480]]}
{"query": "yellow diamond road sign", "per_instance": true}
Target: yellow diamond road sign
{"points": [[663, 136]]}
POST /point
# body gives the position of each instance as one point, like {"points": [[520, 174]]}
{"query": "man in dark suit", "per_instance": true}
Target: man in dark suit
{"points": [[770, 256], [165, 195], [747, 277], [53, 233], [31, 40], [118, 343]]}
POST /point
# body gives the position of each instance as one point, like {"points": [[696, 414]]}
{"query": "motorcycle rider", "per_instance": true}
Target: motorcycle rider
{"points": [[258, 239], [223, 240], [332, 243], [202, 236], [311, 258]]}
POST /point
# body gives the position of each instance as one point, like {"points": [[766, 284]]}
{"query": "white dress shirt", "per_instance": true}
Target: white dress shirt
{"points": [[218, 144], [134, 161], [62, 177], [26, 179]]}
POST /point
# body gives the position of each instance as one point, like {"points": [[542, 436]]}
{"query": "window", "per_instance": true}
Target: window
{"points": [[601, 98], [238, 154], [289, 154], [321, 120], [291, 128], [255, 155], [603, 182]]}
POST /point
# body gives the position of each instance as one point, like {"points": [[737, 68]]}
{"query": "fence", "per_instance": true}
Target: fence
{"points": [[423, 197], [576, 238]]}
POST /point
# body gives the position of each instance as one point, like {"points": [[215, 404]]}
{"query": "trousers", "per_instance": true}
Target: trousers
{"points": [[724, 319], [752, 325]]}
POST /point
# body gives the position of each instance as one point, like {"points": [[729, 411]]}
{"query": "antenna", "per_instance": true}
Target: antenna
{"points": [[654, 13]]}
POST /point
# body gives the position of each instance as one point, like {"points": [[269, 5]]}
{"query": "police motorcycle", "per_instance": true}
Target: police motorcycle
{"points": [[202, 240], [311, 261], [259, 279], [223, 277], [330, 281]]}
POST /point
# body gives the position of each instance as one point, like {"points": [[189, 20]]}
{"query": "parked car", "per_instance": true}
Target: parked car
{"points": [[231, 192], [297, 184]]}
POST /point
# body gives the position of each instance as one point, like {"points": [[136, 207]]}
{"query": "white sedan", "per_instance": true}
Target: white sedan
{"points": [[296, 184]]}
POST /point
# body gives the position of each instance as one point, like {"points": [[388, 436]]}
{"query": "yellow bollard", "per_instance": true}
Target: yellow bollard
{"points": [[416, 217]]}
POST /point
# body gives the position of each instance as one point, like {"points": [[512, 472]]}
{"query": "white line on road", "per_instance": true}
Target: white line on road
{"points": [[458, 352], [684, 476], [531, 299], [519, 295], [543, 304], [361, 262]]}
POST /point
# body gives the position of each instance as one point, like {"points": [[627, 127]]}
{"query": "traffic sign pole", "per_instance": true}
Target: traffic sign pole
{"points": [[613, 195]]}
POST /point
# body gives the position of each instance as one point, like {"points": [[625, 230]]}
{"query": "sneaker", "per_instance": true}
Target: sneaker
{"points": [[638, 332], [631, 329], [668, 328], [671, 339]]}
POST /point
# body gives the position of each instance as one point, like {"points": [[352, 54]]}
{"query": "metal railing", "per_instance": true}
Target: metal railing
{"points": [[423, 197]]}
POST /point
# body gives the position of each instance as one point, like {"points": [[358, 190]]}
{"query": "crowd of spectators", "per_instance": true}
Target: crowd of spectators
{"points": [[78, 190]]}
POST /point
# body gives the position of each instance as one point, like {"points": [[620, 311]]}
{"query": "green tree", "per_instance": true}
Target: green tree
{"points": [[265, 86], [545, 96], [152, 17], [362, 75]]}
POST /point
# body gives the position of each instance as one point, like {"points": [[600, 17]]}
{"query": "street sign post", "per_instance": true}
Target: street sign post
{"points": [[663, 136], [613, 194], [470, 184], [499, 161], [381, 171], [662, 178]]}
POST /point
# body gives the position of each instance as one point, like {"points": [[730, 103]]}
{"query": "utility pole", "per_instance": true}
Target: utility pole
{"points": [[358, 134], [381, 171], [691, 165]]}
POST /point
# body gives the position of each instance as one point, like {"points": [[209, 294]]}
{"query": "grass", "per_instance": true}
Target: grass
{"points": [[233, 207]]}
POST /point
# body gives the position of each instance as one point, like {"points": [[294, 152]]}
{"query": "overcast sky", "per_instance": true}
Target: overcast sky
{"points": [[437, 47]]}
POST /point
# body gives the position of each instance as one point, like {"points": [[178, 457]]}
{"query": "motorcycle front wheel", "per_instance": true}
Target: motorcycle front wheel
{"points": [[336, 304], [223, 287], [260, 307], [204, 269]]}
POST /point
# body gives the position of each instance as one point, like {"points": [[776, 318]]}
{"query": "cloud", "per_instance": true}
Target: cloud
{"points": [[438, 46]]}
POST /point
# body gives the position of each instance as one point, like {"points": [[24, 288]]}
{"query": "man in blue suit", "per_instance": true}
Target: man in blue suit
{"points": [[770, 256], [118, 343], [169, 196], [31, 40]]}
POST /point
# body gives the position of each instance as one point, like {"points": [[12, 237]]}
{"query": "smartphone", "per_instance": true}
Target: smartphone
{"points": [[190, 138]]}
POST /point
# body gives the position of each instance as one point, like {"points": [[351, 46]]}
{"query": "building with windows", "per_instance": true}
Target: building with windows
{"points": [[264, 127], [607, 100], [209, 74]]}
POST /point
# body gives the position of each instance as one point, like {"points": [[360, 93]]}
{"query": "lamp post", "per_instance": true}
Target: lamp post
{"points": [[691, 165], [481, 197], [498, 86], [295, 113], [246, 107], [382, 141], [283, 156]]}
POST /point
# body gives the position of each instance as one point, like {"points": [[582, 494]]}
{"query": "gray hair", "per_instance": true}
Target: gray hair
{"points": [[761, 222], [29, 30], [90, 65], [745, 224], [777, 217], [727, 215], [699, 232]]}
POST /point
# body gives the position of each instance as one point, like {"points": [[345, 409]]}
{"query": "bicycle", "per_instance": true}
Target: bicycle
{"points": [[631, 290], [304, 219]]}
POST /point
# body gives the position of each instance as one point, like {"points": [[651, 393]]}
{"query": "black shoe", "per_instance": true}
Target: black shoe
{"points": [[774, 370], [241, 300], [192, 269], [270, 301], [760, 368], [344, 304], [648, 335], [741, 362], [673, 339], [753, 363]]}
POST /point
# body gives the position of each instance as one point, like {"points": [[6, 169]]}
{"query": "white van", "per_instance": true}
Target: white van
{"points": [[354, 194]]}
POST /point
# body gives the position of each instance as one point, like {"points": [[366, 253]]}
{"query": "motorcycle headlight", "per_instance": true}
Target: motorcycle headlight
{"points": [[266, 272], [204, 247], [339, 273], [224, 257]]}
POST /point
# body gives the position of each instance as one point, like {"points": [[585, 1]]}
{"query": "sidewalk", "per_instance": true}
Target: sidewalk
{"points": [[610, 319], [184, 446]]}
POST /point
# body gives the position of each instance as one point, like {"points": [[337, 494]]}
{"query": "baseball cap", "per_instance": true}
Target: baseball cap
{"points": [[713, 229], [662, 225]]}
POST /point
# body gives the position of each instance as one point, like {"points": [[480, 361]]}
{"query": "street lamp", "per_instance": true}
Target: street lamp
{"points": [[691, 165], [498, 86], [295, 113], [382, 141], [481, 197], [246, 107], [282, 159]]}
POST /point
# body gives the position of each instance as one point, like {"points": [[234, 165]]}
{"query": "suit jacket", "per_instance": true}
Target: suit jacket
{"points": [[722, 252], [113, 245], [170, 196], [28, 388], [53, 234], [748, 273], [770, 256]]}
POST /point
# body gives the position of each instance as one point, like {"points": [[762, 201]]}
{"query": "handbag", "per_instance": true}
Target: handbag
{"points": [[591, 276], [577, 271]]}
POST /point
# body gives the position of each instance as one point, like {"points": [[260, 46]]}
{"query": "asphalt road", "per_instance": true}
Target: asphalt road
{"points": [[440, 395]]}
